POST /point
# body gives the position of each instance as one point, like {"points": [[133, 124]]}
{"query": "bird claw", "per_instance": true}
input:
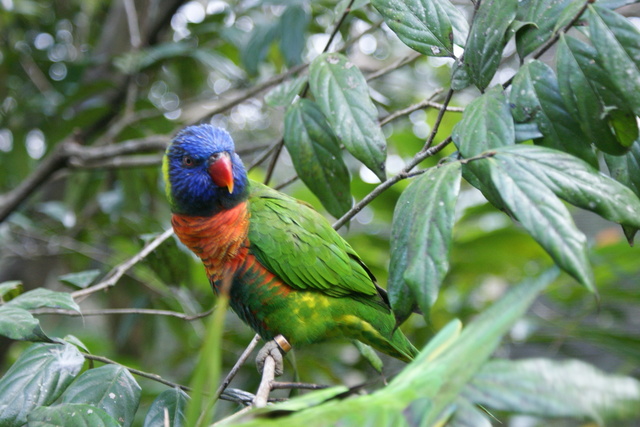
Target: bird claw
{"points": [[275, 350]]}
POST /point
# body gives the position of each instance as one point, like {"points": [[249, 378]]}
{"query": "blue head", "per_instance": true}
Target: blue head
{"points": [[203, 174]]}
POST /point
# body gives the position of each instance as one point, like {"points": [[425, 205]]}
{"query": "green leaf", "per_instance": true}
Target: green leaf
{"points": [[543, 215], [9, 288], [284, 94], [544, 14], [80, 279], [293, 23], [616, 40], [110, 388], [423, 25], [458, 22], [19, 324], [315, 152], [460, 78], [486, 123], [527, 131], [535, 97], [172, 401], [41, 297], [582, 101], [575, 181], [256, 49], [71, 415], [37, 378], [342, 93], [487, 39], [369, 355], [548, 388], [421, 236], [626, 169]]}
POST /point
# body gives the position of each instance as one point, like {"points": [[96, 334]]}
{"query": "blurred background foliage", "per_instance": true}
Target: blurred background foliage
{"points": [[100, 73]]}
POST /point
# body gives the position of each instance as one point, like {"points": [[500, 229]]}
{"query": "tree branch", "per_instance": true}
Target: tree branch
{"points": [[118, 271], [232, 373], [268, 374]]}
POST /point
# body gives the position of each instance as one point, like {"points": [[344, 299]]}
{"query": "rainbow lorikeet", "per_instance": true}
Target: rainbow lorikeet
{"points": [[290, 273]]}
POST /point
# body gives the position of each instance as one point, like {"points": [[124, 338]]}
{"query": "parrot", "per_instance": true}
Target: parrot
{"points": [[287, 272]]}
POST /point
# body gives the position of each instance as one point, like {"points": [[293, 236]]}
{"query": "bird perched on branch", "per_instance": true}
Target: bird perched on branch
{"points": [[289, 274]]}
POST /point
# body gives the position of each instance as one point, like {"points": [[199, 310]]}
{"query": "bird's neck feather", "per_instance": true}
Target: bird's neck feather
{"points": [[216, 239]]}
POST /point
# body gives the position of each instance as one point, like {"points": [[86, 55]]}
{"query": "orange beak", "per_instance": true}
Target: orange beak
{"points": [[221, 171]]}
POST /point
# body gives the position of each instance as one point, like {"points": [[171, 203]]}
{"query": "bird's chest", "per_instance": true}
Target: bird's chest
{"points": [[220, 241]]}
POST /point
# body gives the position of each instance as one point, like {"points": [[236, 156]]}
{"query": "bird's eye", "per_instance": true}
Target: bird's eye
{"points": [[188, 161]]}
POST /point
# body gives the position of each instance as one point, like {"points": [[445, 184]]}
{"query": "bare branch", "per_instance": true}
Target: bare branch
{"points": [[132, 22], [268, 374], [392, 67], [117, 272], [143, 374], [278, 385], [232, 373]]}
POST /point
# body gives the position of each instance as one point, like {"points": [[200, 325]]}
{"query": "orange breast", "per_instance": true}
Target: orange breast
{"points": [[220, 241]]}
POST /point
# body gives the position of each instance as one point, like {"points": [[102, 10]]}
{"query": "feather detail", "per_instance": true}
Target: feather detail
{"points": [[220, 241]]}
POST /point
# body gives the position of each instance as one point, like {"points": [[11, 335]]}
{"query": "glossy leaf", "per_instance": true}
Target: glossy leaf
{"points": [[110, 388], [37, 378], [626, 169], [616, 40], [343, 96], [549, 388], [544, 14], [535, 98], [170, 402], [487, 39], [423, 25], [486, 123], [71, 415], [543, 215], [582, 101], [284, 94], [42, 297], [18, 324], [80, 279], [316, 155], [576, 182], [421, 236]]}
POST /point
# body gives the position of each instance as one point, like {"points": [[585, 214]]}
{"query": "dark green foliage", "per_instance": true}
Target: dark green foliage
{"points": [[550, 141]]}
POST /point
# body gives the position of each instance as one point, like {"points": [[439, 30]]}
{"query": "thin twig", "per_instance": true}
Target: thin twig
{"points": [[110, 311], [231, 395], [268, 374], [274, 159], [132, 22], [436, 125], [232, 373], [118, 271], [154, 377], [392, 67], [279, 385], [382, 187]]}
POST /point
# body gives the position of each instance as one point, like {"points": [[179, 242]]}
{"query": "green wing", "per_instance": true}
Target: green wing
{"points": [[299, 245]]}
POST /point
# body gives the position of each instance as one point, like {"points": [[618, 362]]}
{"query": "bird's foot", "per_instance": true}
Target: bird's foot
{"points": [[276, 348]]}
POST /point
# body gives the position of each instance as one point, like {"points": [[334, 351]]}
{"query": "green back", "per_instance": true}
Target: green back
{"points": [[299, 245]]}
